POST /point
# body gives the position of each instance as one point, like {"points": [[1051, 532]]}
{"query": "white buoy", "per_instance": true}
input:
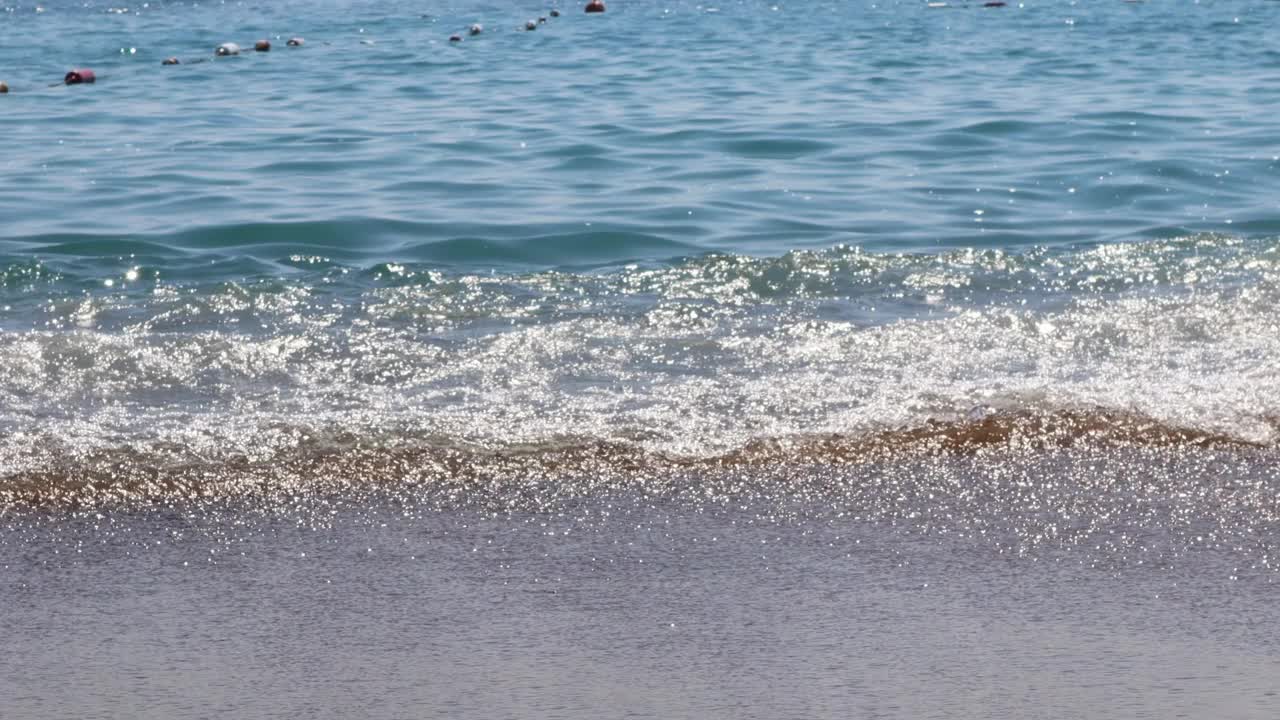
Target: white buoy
{"points": [[226, 49]]}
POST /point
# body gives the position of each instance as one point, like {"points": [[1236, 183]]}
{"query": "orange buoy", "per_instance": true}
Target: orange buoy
{"points": [[3, 88], [262, 46], [595, 6]]}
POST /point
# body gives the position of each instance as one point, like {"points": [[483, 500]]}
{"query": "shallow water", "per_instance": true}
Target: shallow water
{"points": [[673, 225], [690, 360]]}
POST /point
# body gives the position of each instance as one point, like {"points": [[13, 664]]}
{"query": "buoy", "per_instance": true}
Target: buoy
{"points": [[541, 20], [79, 76], [3, 88], [993, 4], [477, 29], [226, 49], [595, 6], [262, 46], [531, 25], [295, 42], [171, 61], [555, 13], [455, 38]]}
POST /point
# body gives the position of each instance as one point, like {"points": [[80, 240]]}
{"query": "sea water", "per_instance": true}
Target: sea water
{"points": [[692, 359]]}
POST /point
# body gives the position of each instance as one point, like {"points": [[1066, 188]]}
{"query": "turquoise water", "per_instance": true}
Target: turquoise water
{"points": [[677, 228], [652, 132]]}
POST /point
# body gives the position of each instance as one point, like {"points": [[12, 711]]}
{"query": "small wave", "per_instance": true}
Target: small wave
{"points": [[360, 240], [986, 430], [516, 475], [782, 147], [697, 358], [576, 248], [1001, 128]]}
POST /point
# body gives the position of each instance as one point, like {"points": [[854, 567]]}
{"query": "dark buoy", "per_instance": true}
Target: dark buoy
{"points": [[455, 38], [555, 13], [79, 76], [993, 4], [262, 46], [477, 29], [226, 49], [295, 42], [3, 88], [171, 61], [595, 6], [541, 20], [531, 25]]}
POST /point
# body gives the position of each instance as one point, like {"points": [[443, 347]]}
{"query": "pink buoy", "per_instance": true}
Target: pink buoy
{"points": [[79, 76]]}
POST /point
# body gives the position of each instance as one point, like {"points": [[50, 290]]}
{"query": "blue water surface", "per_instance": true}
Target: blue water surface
{"points": [[657, 130], [687, 225]]}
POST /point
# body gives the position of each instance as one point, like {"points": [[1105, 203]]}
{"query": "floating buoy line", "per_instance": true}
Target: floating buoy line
{"points": [[86, 76]]}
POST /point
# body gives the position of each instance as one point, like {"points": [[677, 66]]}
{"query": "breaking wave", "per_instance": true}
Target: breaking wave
{"points": [[343, 463], [147, 385]]}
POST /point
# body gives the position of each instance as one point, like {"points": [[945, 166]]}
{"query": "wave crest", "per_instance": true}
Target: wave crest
{"points": [[523, 476]]}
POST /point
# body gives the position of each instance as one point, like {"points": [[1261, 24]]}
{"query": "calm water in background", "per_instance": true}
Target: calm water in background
{"points": [[733, 359]]}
